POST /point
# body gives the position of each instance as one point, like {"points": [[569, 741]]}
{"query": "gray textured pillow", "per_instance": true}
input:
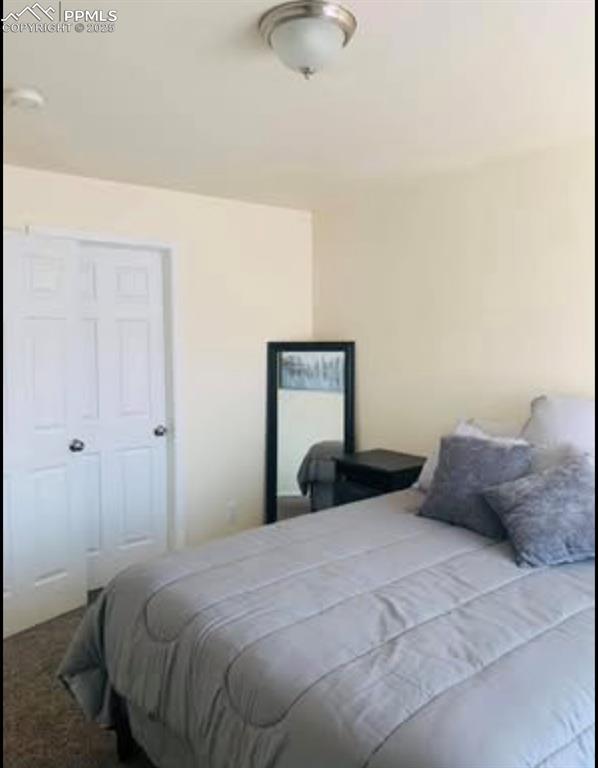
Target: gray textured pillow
{"points": [[550, 516], [466, 467]]}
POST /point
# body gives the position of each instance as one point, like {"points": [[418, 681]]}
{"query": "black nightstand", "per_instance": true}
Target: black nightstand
{"points": [[365, 474]]}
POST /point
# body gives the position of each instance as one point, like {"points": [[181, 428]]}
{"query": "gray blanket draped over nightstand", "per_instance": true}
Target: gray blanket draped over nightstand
{"points": [[317, 473]]}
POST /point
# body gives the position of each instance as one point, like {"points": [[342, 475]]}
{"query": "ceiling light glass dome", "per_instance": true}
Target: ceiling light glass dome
{"points": [[306, 36]]}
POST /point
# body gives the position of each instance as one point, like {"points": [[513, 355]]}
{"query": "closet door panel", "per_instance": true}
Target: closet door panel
{"points": [[39, 469], [126, 305], [83, 395]]}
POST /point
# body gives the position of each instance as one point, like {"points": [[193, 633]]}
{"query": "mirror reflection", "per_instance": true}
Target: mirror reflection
{"points": [[310, 413]]}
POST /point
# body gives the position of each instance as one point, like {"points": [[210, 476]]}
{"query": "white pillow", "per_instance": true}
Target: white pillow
{"points": [[491, 430], [551, 456], [562, 420], [496, 428]]}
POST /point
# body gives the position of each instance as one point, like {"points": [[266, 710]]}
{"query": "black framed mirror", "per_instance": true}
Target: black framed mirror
{"points": [[310, 420]]}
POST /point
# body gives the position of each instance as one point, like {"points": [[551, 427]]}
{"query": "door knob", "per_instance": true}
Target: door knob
{"points": [[75, 446], [160, 430]]}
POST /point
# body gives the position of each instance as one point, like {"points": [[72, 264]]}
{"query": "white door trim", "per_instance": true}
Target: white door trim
{"points": [[177, 491]]}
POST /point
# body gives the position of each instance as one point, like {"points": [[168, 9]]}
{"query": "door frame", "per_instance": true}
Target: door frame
{"points": [[173, 359]]}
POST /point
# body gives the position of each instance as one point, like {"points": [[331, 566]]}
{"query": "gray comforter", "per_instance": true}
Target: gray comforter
{"points": [[361, 637]]}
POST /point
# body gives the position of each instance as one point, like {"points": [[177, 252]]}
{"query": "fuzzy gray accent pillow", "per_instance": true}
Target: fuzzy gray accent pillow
{"points": [[550, 516], [466, 467]]}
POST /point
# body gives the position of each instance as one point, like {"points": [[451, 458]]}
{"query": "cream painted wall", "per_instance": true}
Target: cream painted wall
{"points": [[467, 294], [245, 277]]}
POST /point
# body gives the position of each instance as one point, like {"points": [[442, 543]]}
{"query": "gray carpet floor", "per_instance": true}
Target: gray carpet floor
{"points": [[292, 506], [42, 726]]}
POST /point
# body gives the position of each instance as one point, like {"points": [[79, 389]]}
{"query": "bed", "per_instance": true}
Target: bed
{"points": [[360, 637]]}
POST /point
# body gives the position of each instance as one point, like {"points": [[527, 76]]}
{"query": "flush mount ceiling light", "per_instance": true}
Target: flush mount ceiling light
{"points": [[22, 98], [307, 34]]}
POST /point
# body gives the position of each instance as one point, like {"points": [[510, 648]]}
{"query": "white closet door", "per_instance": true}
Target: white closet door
{"points": [[43, 523], [122, 406], [84, 401]]}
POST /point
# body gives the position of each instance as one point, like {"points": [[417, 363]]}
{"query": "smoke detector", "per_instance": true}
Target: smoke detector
{"points": [[23, 98]]}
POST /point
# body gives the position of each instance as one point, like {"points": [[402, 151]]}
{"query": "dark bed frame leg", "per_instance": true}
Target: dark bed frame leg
{"points": [[126, 746]]}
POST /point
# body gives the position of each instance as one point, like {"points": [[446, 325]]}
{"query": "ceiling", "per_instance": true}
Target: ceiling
{"points": [[183, 94]]}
